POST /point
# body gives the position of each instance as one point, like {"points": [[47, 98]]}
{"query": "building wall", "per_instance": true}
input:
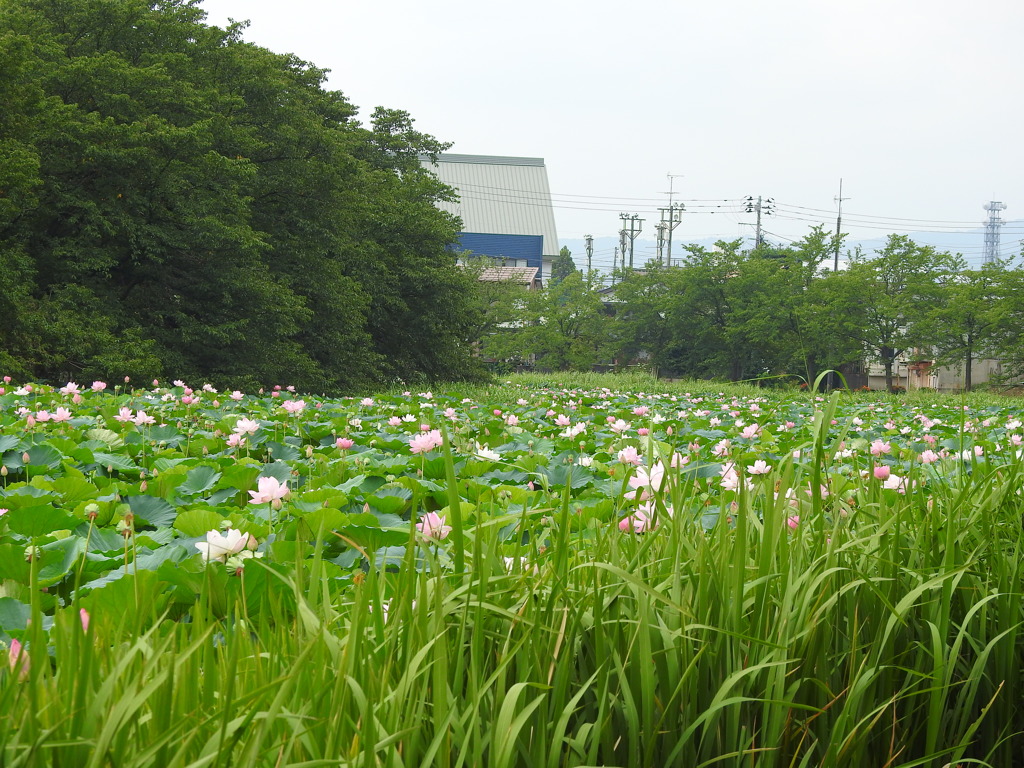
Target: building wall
{"points": [[501, 200], [524, 250], [911, 375]]}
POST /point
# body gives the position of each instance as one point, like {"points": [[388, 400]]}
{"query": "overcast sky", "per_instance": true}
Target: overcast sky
{"points": [[915, 104]]}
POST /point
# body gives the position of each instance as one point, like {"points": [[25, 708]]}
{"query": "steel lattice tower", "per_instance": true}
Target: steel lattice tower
{"points": [[992, 230]]}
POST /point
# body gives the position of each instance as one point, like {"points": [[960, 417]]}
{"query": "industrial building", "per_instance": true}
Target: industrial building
{"points": [[505, 207]]}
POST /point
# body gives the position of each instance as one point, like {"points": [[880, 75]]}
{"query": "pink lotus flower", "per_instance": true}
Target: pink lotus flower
{"points": [[432, 526], [929, 456], [629, 455], [879, 447], [294, 407], [426, 441], [220, 546], [124, 415], [512, 420], [43, 416], [562, 420], [793, 521], [640, 410], [394, 421], [245, 426], [99, 386], [62, 414], [646, 482], [236, 395], [69, 389], [882, 472], [638, 522], [366, 401], [759, 467], [269, 489], [142, 418], [83, 616], [896, 483], [235, 440], [751, 431], [343, 443], [19, 660]]}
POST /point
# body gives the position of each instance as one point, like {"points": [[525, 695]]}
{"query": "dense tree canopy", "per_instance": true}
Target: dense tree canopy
{"points": [[176, 201], [729, 313]]}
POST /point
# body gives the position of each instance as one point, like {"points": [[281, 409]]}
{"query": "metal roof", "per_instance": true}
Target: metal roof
{"points": [[500, 195]]}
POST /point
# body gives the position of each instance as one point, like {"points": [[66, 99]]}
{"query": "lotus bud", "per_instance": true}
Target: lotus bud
{"points": [[3, 470], [143, 486], [25, 458], [309, 451]]}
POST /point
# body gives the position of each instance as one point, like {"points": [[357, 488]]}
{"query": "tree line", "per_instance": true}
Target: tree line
{"points": [[175, 201], [737, 314]]}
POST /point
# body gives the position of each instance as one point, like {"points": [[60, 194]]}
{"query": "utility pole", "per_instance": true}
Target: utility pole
{"points": [[759, 206], [674, 213], [590, 254], [635, 228], [661, 226], [839, 224], [670, 223]]}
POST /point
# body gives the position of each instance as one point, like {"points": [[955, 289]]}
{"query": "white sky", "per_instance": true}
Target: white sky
{"points": [[915, 103]]}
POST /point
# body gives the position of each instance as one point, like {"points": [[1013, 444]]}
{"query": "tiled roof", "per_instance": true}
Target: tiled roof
{"points": [[523, 275]]}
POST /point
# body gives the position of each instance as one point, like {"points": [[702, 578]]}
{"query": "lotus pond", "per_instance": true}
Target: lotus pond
{"points": [[514, 575]]}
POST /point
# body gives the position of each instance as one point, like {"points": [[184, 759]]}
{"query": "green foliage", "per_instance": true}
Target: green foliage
{"points": [[563, 326], [176, 201], [562, 266]]}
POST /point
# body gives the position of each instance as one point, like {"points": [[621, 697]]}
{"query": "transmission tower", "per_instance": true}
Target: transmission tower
{"points": [[992, 230]]}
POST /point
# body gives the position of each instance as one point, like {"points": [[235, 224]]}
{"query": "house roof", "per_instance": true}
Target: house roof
{"points": [[499, 195], [522, 275]]}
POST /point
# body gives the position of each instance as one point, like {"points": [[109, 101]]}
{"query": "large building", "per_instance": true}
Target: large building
{"points": [[505, 207]]}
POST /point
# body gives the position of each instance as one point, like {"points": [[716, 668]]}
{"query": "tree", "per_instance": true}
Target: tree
{"points": [[563, 327], [176, 200], [1007, 316], [887, 298], [562, 266], [965, 322]]}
